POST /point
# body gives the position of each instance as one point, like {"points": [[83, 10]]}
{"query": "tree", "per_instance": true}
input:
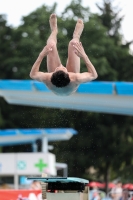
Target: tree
{"points": [[6, 49], [117, 54], [30, 38], [75, 10], [110, 18], [6, 57]]}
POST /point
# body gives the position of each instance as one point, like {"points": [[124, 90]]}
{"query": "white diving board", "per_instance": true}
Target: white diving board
{"points": [[95, 96], [25, 136]]}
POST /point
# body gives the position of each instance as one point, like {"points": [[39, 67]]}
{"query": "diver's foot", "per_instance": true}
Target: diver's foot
{"points": [[53, 23], [78, 29]]}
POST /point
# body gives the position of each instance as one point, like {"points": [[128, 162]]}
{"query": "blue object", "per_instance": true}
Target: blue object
{"points": [[15, 85], [60, 179], [41, 86], [33, 131], [96, 87], [93, 87], [124, 88], [23, 180], [24, 136]]}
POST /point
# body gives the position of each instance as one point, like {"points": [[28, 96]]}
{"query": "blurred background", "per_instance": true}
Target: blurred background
{"points": [[102, 151]]}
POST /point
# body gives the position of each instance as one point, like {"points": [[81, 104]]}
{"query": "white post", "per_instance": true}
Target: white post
{"points": [[45, 144], [16, 181], [65, 171], [34, 147]]}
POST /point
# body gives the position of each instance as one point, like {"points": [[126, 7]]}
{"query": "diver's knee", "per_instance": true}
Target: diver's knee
{"points": [[51, 44], [73, 41]]}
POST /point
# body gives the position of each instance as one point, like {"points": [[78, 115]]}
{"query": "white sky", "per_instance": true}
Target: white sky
{"points": [[15, 9]]}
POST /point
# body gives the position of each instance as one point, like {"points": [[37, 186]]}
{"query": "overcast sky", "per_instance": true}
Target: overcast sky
{"points": [[15, 9]]}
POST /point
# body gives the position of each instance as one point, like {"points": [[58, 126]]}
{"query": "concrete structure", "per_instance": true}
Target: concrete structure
{"points": [[102, 97], [67, 188], [25, 136], [25, 164], [29, 163]]}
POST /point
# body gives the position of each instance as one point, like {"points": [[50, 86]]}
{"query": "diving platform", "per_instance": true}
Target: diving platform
{"points": [[95, 96]]}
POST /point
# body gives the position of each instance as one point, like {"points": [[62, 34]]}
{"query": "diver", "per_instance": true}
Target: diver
{"points": [[59, 79]]}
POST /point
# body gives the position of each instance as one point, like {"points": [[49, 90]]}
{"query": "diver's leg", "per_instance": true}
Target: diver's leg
{"points": [[53, 59], [73, 61]]}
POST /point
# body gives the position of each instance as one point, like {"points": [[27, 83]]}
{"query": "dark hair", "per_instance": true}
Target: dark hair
{"points": [[60, 79]]}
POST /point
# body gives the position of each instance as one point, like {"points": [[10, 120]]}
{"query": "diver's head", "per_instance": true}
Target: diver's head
{"points": [[60, 78]]}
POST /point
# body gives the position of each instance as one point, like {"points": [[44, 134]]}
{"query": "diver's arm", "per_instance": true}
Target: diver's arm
{"points": [[35, 73], [91, 74], [91, 69]]}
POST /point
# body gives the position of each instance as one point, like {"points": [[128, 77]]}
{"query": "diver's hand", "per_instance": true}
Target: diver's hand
{"points": [[46, 50], [79, 50]]}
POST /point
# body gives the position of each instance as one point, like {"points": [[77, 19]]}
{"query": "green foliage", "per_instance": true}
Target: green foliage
{"points": [[6, 49], [110, 18], [117, 53], [75, 10]]}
